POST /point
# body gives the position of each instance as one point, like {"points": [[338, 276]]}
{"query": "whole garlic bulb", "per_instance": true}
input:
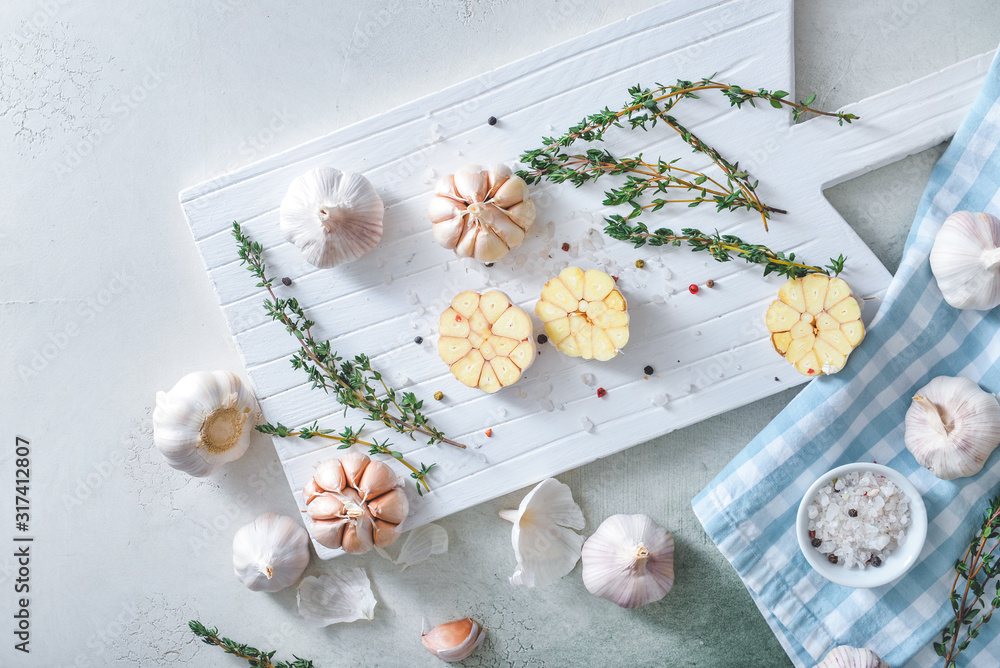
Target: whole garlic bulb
{"points": [[952, 426], [965, 260], [333, 217], [481, 213], [270, 553], [355, 504], [454, 641], [845, 656], [629, 561], [201, 423]]}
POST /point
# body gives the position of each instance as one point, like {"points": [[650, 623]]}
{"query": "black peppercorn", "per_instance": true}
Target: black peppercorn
{"points": [[418, 340], [492, 120], [542, 338], [852, 512], [832, 558], [876, 562], [816, 542], [648, 370], [286, 281]]}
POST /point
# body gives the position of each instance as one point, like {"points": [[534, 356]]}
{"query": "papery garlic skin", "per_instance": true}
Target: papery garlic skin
{"points": [[336, 599], [965, 260], [333, 217], [270, 553], [454, 641], [481, 213], [952, 426], [421, 544], [629, 561], [845, 656], [544, 542], [204, 421], [355, 504]]}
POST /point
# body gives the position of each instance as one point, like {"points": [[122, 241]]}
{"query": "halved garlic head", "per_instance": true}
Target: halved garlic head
{"points": [[584, 314], [486, 340], [481, 213], [815, 323]]}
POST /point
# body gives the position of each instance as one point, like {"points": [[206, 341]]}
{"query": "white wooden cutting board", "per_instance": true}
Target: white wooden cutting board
{"points": [[709, 351]]}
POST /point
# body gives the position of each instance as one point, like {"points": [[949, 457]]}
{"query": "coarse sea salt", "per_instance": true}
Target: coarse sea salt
{"points": [[859, 519]]}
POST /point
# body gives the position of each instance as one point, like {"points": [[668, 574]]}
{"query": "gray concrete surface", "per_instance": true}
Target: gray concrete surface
{"points": [[107, 110]]}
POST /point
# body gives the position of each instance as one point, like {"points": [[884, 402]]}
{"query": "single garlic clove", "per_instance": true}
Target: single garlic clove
{"points": [[513, 191], [201, 423], [468, 369], [488, 381], [326, 507], [965, 260], [358, 536], [472, 182], [354, 464], [465, 303], [629, 561], [449, 232], [270, 553], [597, 285], [329, 476], [511, 234], [385, 533], [443, 209], [336, 598], [392, 506], [330, 533], [952, 427], [333, 217], [454, 641], [523, 214], [489, 246], [544, 542], [851, 657], [311, 491], [497, 175], [377, 479]]}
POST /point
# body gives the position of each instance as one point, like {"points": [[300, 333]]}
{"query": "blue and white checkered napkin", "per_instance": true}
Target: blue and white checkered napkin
{"points": [[857, 415]]}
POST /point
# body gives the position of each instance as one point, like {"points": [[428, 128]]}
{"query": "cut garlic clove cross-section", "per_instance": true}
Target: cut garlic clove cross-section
{"points": [[485, 340], [815, 323], [584, 314]]}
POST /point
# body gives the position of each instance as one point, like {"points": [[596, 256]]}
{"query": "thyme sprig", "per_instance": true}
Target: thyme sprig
{"points": [[348, 437], [645, 109], [721, 246], [354, 383], [972, 607], [255, 657]]}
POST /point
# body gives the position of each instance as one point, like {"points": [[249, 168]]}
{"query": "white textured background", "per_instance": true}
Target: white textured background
{"points": [[107, 110]]}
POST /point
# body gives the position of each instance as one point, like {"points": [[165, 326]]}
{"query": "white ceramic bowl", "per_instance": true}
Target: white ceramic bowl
{"points": [[896, 564]]}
